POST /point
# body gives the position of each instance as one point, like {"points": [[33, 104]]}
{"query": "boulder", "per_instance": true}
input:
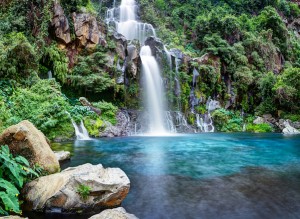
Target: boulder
{"points": [[60, 24], [85, 102], [258, 120], [289, 130], [116, 213], [26, 140], [108, 188], [62, 155]]}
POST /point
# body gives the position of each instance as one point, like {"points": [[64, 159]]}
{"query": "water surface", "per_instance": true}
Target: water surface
{"points": [[203, 176]]}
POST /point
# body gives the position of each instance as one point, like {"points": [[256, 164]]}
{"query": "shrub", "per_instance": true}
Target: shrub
{"points": [[259, 128]]}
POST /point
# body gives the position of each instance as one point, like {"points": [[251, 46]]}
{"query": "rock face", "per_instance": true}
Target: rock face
{"points": [[121, 45], [108, 188], [155, 44], [26, 140], [116, 213], [86, 29], [120, 129], [62, 155], [60, 24]]}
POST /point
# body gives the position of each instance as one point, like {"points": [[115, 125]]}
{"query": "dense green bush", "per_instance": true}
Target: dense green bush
{"points": [[227, 121], [15, 171], [259, 128]]}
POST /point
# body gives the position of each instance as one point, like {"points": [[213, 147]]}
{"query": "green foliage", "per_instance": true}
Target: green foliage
{"points": [[227, 121], [259, 128], [18, 58], [14, 172], [93, 73], [57, 61], [84, 191], [108, 111], [287, 88], [43, 104], [94, 126]]}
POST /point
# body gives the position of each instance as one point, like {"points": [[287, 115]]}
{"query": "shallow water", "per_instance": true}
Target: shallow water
{"points": [[202, 176]]}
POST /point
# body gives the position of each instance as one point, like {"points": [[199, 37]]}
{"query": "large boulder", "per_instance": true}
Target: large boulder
{"points": [[116, 213], [26, 140], [59, 192]]}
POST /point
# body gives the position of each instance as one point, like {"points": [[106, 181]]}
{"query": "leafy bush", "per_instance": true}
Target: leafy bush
{"points": [[14, 172], [43, 104], [108, 111], [259, 128], [227, 121]]}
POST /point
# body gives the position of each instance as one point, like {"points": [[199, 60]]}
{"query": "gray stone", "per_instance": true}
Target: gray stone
{"points": [[116, 213], [289, 130], [258, 120], [62, 155]]}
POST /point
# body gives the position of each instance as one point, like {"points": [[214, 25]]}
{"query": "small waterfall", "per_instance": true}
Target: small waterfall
{"points": [[49, 74], [170, 124], [205, 124], [80, 131], [154, 91]]}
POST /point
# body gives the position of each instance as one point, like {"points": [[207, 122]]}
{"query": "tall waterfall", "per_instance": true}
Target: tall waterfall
{"points": [[125, 20], [154, 91]]}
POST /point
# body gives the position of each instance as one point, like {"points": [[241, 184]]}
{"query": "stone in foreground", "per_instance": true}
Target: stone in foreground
{"points": [[59, 192], [26, 140], [116, 213], [62, 155], [13, 217]]}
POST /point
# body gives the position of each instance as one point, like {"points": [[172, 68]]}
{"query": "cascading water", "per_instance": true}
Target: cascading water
{"points": [[80, 131], [124, 18], [154, 92]]}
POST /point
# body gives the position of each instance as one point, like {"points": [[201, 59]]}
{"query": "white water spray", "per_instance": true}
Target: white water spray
{"points": [[154, 91], [80, 131], [124, 18]]}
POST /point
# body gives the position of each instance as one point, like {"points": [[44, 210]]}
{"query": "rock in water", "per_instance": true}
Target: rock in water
{"points": [[116, 213], [62, 155], [26, 140], [59, 192], [289, 130]]}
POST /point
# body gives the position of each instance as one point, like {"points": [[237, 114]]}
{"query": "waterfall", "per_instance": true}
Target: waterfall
{"points": [[80, 131], [124, 18], [154, 91]]}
